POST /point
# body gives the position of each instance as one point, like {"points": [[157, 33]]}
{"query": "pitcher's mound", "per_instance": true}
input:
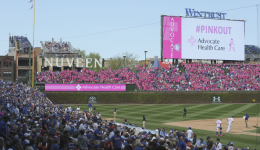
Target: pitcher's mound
{"points": [[237, 127]]}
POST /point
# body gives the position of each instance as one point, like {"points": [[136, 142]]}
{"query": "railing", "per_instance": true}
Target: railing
{"points": [[59, 56], [62, 52]]}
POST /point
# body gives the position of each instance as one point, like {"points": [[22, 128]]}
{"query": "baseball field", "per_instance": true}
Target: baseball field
{"points": [[200, 117]]}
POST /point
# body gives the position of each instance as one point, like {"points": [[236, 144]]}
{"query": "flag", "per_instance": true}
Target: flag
{"points": [[31, 7], [30, 1]]}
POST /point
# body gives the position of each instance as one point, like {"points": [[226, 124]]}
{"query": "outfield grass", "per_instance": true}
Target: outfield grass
{"points": [[158, 114], [255, 131]]}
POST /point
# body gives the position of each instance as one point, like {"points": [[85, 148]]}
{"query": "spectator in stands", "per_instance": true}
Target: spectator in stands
{"points": [[4, 127], [210, 144], [64, 139], [83, 141], [182, 145], [116, 141], [201, 145]]}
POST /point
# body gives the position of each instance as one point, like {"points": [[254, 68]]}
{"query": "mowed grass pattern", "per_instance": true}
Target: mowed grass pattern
{"points": [[156, 115]]}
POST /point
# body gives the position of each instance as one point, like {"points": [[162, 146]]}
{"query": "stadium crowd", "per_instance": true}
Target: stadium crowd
{"points": [[57, 46], [30, 121], [182, 77], [25, 43]]}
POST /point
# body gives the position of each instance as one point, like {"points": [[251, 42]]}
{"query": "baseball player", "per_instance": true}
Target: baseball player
{"points": [[189, 133], [115, 112], [219, 127], [230, 120], [246, 119], [144, 120]]}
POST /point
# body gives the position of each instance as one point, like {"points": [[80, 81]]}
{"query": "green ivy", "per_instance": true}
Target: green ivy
{"points": [[151, 97]]}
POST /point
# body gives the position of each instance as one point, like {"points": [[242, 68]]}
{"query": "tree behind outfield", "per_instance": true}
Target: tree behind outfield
{"points": [[117, 61]]}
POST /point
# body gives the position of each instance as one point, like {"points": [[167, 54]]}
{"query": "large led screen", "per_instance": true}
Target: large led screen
{"points": [[191, 38]]}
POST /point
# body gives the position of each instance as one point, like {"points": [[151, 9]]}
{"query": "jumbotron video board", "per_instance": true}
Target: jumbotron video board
{"points": [[193, 38]]}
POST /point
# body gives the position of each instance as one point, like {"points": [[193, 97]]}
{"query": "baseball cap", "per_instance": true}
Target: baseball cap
{"points": [[20, 133], [26, 142], [189, 127], [208, 137], [218, 139], [201, 138], [26, 134]]}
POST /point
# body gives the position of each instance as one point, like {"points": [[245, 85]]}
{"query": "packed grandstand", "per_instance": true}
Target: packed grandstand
{"points": [[29, 120], [182, 77]]}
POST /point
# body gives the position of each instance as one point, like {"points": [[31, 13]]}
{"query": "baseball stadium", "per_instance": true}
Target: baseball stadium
{"points": [[198, 90]]}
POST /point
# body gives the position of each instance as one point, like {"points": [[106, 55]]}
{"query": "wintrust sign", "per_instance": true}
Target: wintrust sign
{"points": [[204, 14]]}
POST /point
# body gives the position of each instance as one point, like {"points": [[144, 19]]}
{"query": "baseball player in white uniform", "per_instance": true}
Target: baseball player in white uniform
{"points": [[230, 120], [219, 127], [189, 133]]}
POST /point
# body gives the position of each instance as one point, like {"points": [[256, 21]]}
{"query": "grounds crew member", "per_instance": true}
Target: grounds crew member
{"points": [[115, 112]]}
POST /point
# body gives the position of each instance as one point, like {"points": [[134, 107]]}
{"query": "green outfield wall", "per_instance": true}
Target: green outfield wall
{"points": [[153, 97]]}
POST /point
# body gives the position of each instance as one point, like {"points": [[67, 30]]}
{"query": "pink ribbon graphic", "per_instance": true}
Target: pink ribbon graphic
{"points": [[231, 45]]}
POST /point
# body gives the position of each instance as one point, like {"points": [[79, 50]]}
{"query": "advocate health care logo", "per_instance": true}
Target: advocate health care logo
{"points": [[212, 44], [78, 87]]}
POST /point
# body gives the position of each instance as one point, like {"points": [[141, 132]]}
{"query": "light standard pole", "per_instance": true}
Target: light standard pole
{"points": [[145, 58], [124, 60]]}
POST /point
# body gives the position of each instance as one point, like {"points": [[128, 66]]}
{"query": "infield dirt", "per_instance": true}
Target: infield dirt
{"points": [[237, 127]]}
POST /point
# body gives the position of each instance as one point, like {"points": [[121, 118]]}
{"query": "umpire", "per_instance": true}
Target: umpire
{"points": [[184, 112]]}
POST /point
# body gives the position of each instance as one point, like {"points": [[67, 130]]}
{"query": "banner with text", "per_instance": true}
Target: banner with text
{"points": [[203, 39], [85, 87], [172, 37]]}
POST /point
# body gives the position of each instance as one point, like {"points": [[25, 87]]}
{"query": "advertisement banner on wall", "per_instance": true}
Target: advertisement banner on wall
{"points": [[191, 38], [216, 99], [85, 87], [92, 99]]}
